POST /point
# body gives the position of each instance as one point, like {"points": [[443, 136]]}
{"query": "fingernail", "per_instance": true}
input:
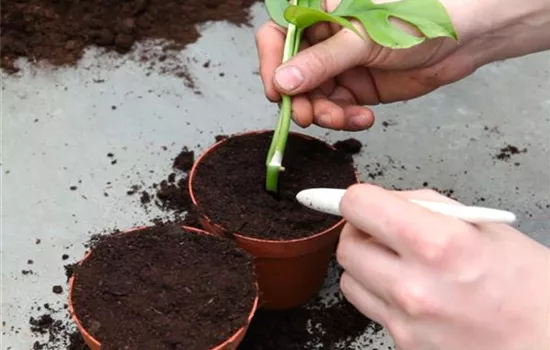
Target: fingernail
{"points": [[325, 121], [359, 122], [289, 78]]}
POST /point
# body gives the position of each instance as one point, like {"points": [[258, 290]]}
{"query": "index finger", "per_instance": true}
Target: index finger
{"points": [[270, 42], [406, 228]]}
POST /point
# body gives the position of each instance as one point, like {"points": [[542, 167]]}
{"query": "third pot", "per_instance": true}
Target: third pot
{"points": [[163, 287], [292, 245]]}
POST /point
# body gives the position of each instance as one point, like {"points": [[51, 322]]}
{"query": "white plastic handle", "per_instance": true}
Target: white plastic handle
{"points": [[327, 200]]}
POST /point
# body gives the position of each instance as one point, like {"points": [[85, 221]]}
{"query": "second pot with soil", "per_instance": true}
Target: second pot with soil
{"points": [[292, 244], [163, 287]]}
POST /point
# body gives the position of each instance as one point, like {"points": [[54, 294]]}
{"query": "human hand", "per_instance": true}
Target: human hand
{"points": [[437, 283], [337, 72]]}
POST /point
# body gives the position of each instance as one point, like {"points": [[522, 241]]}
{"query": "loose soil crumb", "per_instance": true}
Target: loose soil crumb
{"points": [[507, 152], [230, 186], [59, 31], [145, 198], [59, 331], [350, 146], [184, 161], [164, 288], [57, 289]]}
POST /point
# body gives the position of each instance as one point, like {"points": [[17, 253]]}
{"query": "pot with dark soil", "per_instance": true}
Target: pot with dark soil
{"points": [[163, 287], [292, 244]]}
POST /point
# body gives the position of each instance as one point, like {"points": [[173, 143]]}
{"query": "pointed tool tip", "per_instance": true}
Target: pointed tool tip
{"points": [[326, 200]]}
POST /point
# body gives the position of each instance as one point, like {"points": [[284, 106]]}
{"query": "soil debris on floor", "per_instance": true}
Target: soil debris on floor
{"points": [[350, 146], [55, 330], [153, 276], [229, 186], [313, 326], [508, 151], [59, 31], [184, 161]]}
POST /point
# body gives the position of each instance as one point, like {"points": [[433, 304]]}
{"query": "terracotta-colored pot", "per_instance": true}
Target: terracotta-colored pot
{"points": [[289, 272], [230, 344]]}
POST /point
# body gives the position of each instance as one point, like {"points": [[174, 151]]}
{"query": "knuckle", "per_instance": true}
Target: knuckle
{"points": [[345, 284], [414, 299], [437, 249], [353, 194], [260, 33], [402, 335], [341, 250], [319, 59]]}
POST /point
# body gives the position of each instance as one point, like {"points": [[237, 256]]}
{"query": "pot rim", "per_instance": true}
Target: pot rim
{"points": [[213, 147], [95, 342]]}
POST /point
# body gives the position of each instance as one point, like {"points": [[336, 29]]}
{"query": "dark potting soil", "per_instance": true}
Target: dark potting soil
{"points": [[230, 186], [351, 146], [314, 326], [59, 31], [164, 288], [507, 152], [58, 331], [184, 161], [174, 197]]}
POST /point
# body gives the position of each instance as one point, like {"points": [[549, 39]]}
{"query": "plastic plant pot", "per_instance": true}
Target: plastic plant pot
{"points": [[230, 344], [289, 272]]}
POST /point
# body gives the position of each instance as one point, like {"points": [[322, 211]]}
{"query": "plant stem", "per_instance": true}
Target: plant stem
{"points": [[280, 135]]}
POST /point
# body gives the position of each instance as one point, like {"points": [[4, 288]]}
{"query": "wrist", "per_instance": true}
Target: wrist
{"points": [[475, 18], [501, 29]]}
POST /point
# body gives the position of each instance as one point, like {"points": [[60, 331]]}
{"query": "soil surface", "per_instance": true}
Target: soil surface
{"points": [[230, 186], [59, 31], [164, 288]]}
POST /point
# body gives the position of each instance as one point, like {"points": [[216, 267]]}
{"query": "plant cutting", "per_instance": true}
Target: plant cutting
{"points": [[163, 287], [428, 16], [292, 245]]}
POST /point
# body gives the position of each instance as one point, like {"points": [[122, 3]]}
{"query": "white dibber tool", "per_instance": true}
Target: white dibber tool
{"points": [[327, 200]]}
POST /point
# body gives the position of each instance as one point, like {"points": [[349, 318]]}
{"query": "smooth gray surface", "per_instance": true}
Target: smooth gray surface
{"points": [[440, 139]]}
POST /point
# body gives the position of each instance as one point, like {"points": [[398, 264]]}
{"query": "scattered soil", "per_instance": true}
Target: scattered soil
{"points": [[184, 161], [59, 31], [59, 331], [174, 198], [164, 288], [145, 197], [57, 289], [230, 186], [508, 151], [350, 146], [171, 195], [307, 327]]}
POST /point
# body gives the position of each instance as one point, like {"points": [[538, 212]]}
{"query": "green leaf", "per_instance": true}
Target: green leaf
{"points": [[276, 10], [314, 4], [429, 16], [303, 17]]}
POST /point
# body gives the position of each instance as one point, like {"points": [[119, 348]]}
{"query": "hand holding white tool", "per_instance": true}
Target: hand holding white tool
{"points": [[327, 200]]}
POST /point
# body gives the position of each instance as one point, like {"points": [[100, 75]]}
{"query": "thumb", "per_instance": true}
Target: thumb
{"points": [[321, 62]]}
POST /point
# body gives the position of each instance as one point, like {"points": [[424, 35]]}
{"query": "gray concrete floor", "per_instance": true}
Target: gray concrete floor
{"points": [[58, 126]]}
